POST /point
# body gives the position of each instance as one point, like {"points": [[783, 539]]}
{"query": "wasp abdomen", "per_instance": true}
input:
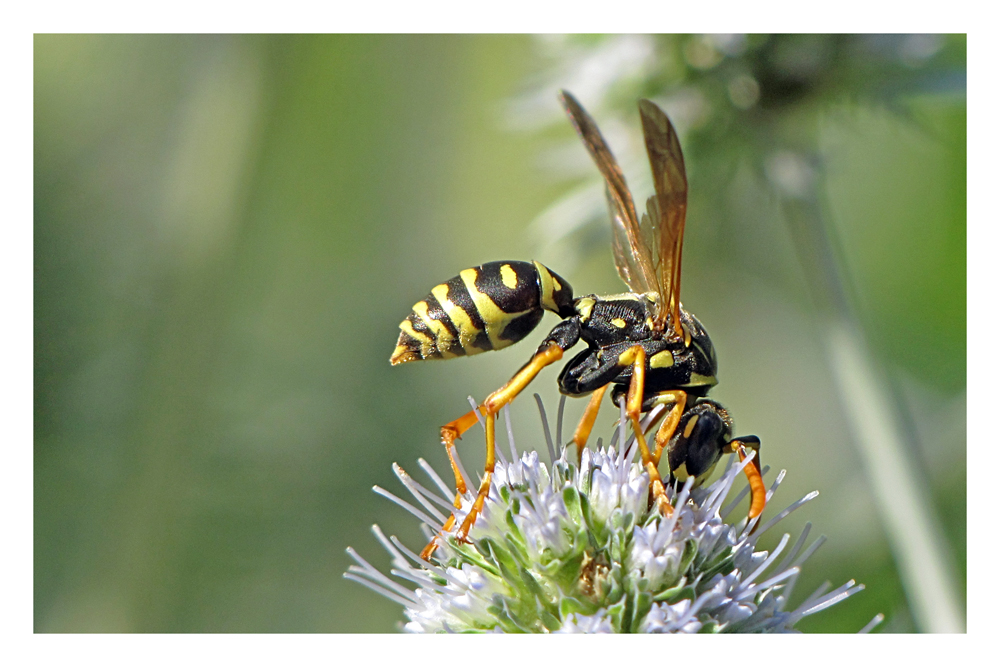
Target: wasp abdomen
{"points": [[488, 307]]}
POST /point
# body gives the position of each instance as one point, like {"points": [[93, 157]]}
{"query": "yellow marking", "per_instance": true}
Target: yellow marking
{"points": [[402, 355], [681, 472], [441, 334], [619, 322], [555, 283], [701, 380], [687, 335], [631, 296], [584, 306], [547, 284], [627, 357], [703, 476], [690, 426], [664, 359], [426, 342], [667, 398], [508, 276], [467, 331], [702, 350], [496, 319]]}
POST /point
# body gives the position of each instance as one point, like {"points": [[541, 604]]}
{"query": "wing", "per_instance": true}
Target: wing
{"points": [[666, 210], [633, 250]]}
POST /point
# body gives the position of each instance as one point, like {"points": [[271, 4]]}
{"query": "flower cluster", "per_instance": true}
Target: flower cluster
{"points": [[569, 547]]}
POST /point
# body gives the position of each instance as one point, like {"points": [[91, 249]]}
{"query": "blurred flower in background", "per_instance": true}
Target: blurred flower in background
{"points": [[228, 230]]}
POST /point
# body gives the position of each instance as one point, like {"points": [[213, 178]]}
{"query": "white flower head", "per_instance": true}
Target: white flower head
{"points": [[562, 547]]}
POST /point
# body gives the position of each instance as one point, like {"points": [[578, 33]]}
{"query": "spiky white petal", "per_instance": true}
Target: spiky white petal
{"points": [[565, 548]]}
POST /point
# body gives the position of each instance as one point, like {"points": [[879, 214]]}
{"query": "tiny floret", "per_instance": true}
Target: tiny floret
{"points": [[568, 547]]}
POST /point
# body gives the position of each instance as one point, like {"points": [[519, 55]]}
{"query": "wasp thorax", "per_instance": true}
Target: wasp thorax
{"points": [[699, 346], [487, 307]]}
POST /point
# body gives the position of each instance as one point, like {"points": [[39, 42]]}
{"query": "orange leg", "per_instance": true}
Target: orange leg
{"points": [[586, 424], [633, 408], [651, 424], [489, 409], [669, 426], [758, 492], [449, 433]]}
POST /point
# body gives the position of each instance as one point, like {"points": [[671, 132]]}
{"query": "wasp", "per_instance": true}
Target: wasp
{"points": [[642, 344]]}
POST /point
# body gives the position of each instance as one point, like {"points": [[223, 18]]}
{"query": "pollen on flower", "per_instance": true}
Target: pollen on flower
{"points": [[561, 547]]}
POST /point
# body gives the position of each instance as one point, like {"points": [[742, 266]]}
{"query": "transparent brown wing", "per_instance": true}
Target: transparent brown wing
{"points": [[666, 210], [630, 267], [633, 250]]}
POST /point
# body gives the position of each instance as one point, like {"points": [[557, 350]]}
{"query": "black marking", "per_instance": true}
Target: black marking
{"points": [[525, 295], [521, 326], [420, 326], [482, 341], [436, 312], [459, 295]]}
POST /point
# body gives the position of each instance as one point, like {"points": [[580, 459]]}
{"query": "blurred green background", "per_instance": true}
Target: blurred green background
{"points": [[229, 229]]}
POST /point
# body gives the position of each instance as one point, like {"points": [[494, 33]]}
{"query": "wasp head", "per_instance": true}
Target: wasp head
{"points": [[701, 437]]}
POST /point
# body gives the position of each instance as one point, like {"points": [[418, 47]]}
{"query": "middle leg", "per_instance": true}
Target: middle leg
{"points": [[758, 492], [636, 357], [586, 424], [679, 399]]}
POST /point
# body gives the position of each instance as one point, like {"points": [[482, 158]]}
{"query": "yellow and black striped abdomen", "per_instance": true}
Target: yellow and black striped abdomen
{"points": [[484, 308]]}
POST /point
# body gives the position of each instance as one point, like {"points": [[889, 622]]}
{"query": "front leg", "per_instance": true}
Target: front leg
{"points": [[679, 399], [758, 492]]}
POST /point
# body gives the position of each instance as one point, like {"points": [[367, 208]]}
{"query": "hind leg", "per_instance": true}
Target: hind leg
{"points": [[758, 492], [489, 409]]}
